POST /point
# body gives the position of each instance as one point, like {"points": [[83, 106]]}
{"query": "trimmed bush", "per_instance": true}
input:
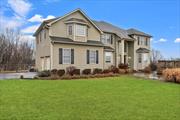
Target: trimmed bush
{"points": [[70, 70], [114, 69], [45, 73], [172, 75], [76, 72], [97, 71], [86, 71], [105, 71], [60, 72], [54, 71], [123, 66], [147, 69]]}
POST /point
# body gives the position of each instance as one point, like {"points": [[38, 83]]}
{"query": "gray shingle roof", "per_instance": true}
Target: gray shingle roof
{"points": [[107, 27], [137, 32], [70, 41]]}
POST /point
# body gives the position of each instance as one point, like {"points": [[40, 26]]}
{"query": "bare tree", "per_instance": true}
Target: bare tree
{"points": [[15, 54], [155, 56]]}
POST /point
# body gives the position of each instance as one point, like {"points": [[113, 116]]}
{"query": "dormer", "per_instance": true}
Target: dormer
{"points": [[77, 29]]}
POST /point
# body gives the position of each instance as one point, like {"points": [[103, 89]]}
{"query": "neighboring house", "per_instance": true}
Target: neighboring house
{"points": [[76, 40]]}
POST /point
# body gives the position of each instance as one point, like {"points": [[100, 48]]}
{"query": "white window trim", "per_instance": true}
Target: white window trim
{"points": [[105, 40], [78, 28], [63, 61], [110, 55], [68, 29], [91, 57]]}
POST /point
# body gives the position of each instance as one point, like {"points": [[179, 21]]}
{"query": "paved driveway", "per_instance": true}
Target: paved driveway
{"points": [[4, 76]]}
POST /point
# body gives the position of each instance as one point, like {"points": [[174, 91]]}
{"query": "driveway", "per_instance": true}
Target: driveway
{"points": [[4, 76]]}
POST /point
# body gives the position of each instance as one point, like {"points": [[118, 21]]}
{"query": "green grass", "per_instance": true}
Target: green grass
{"points": [[115, 98]]}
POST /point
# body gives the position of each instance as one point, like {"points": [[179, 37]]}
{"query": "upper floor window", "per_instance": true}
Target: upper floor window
{"points": [[80, 30], [107, 38], [69, 29], [44, 31], [142, 40]]}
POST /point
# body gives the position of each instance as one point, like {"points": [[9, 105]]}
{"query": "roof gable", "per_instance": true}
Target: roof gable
{"points": [[77, 10]]}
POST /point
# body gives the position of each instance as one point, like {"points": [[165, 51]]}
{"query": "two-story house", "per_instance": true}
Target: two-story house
{"points": [[76, 40]]}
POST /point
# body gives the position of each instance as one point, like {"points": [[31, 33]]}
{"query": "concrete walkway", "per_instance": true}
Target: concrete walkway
{"points": [[4, 76]]}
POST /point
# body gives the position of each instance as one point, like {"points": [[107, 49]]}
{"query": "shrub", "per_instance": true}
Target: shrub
{"points": [[70, 70], [60, 72], [76, 72], [86, 71], [114, 69], [45, 73], [123, 66], [172, 75], [147, 69], [105, 71], [21, 77], [153, 67], [97, 71], [53, 71]]}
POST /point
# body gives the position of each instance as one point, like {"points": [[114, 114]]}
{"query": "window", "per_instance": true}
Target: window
{"points": [[146, 42], [138, 40], [92, 56], [80, 30], [66, 56], [107, 38], [140, 58], [125, 46], [108, 57], [69, 29], [44, 31]]}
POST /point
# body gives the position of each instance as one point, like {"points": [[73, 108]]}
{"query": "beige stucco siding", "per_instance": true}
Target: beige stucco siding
{"points": [[59, 28], [136, 46], [80, 60], [42, 49]]}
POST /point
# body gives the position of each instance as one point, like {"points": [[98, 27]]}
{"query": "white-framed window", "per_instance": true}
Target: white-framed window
{"points": [[92, 56], [66, 56], [70, 30], [80, 30], [108, 57], [106, 38], [44, 31], [140, 58]]}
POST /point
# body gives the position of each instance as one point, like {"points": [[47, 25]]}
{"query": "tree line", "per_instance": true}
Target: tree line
{"points": [[15, 53]]}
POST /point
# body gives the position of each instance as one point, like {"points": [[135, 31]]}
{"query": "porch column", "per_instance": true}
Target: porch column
{"points": [[122, 51]]}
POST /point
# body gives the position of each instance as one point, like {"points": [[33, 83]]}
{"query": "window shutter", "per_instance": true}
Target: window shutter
{"points": [[111, 39], [97, 57], [60, 55], [87, 57], [72, 56]]}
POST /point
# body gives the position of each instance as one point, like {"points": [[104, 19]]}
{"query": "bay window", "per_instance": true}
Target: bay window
{"points": [[80, 30]]}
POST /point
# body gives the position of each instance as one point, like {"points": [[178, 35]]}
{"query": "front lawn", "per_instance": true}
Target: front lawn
{"points": [[115, 98]]}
